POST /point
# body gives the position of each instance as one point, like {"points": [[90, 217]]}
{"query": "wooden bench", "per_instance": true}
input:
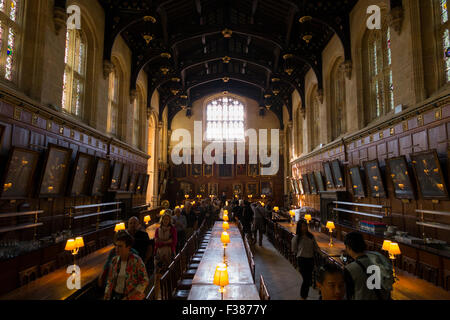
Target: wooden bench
{"points": [[28, 275], [263, 292], [47, 268]]}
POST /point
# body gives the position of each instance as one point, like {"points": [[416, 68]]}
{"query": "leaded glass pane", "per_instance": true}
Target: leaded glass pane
{"points": [[225, 120]]}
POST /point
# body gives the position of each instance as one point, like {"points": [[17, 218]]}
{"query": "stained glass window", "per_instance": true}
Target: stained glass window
{"points": [[225, 120], [74, 73], [315, 117], [445, 38], [9, 33], [338, 123], [137, 121], [380, 73]]}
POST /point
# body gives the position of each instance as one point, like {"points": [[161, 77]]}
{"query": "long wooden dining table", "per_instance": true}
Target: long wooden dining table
{"points": [[241, 285], [54, 285], [408, 287]]}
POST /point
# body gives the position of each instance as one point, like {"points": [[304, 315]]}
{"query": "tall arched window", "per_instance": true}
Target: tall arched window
{"points": [[74, 72], [338, 123], [113, 102], [10, 32], [225, 120], [444, 34], [137, 121], [314, 118], [299, 133], [379, 85]]}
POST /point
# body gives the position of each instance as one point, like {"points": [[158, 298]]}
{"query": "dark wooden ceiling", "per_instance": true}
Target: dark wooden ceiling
{"points": [[191, 31]]}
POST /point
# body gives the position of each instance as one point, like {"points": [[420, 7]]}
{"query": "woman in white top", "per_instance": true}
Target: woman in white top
{"points": [[304, 245]]}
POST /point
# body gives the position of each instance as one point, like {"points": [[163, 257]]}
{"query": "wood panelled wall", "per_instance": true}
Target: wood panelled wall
{"points": [[424, 128], [28, 125], [226, 183]]}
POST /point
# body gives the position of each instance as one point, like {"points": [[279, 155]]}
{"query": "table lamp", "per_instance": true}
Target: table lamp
{"points": [[186, 196], [221, 277], [307, 218], [263, 196], [74, 245], [225, 217], [250, 196], [275, 209], [331, 227], [193, 202], [394, 250], [225, 238], [199, 196], [182, 206], [119, 226], [177, 207], [147, 219], [225, 226], [386, 245], [292, 214]]}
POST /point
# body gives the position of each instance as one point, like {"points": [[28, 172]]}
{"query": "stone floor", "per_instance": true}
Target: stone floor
{"points": [[283, 281]]}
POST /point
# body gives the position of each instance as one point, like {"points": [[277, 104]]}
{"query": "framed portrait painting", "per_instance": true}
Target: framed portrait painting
{"points": [[319, 181], [357, 183], [374, 179], [81, 175], [56, 169], [207, 170], [196, 170], [328, 176], [252, 188], [266, 188], [125, 177], [101, 172], [19, 174], [116, 174], [430, 178], [312, 183], [401, 178], [337, 174]]}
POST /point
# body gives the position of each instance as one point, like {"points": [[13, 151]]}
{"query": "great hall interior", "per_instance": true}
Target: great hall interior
{"points": [[111, 110]]}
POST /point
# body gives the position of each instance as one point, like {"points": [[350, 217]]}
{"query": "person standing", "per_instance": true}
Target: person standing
{"points": [[355, 272], [259, 222], [180, 223], [191, 218], [142, 243], [165, 247], [127, 277], [304, 245]]}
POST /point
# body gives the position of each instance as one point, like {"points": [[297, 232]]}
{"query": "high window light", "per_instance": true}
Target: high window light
{"points": [[10, 31], [225, 120]]}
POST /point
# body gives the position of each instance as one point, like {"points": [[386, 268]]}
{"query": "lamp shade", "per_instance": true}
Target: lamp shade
{"points": [[330, 225], [225, 237], [221, 275], [394, 249], [79, 242], [162, 212], [225, 217], [291, 213], [70, 245], [308, 217], [147, 219], [225, 212], [182, 206], [186, 196], [386, 245], [275, 209], [177, 207], [119, 226], [225, 226]]}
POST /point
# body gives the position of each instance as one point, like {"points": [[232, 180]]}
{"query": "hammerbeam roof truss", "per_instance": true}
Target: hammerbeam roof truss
{"points": [[262, 33]]}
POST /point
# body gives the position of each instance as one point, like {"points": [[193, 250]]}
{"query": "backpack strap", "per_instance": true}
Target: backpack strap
{"points": [[363, 268]]}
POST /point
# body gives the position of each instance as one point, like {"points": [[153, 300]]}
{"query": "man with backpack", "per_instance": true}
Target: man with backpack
{"points": [[364, 266]]}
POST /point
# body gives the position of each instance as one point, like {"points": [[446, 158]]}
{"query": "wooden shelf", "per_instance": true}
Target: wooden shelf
{"points": [[95, 214], [359, 213], [438, 213], [361, 204], [20, 227], [19, 214], [87, 206], [434, 225]]}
